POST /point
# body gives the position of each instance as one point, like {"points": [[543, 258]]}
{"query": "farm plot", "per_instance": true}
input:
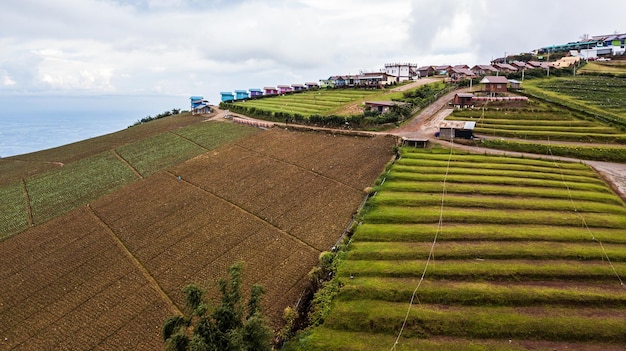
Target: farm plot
{"points": [[23, 166], [601, 97], [67, 285], [494, 264], [13, 209], [320, 102], [539, 124], [108, 274], [61, 190]]}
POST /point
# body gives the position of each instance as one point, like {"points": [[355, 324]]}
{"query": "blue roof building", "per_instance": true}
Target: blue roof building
{"points": [[241, 94], [196, 101], [227, 96]]}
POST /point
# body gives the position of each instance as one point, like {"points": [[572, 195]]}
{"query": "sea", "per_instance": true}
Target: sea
{"points": [[34, 123]]}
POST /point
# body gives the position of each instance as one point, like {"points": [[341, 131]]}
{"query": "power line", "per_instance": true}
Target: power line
{"points": [[431, 252], [593, 237]]}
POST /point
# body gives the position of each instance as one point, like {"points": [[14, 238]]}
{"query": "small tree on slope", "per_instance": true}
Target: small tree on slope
{"points": [[224, 328]]}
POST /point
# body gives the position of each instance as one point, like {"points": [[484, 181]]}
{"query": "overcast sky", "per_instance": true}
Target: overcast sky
{"points": [[202, 47]]}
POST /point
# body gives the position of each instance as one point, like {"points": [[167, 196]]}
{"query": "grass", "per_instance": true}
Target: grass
{"points": [[508, 250], [493, 202], [426, 321], [462, 293], [455, 250], [484, 270], [471, 232], [502, 189], [405, 171]]}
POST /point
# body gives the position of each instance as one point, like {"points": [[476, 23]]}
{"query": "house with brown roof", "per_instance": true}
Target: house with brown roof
{"points": [[484, 70], [463, 100], [442, 70], [383, 106], [426, 71], [504, 67], [495, 84], [459, 74]]}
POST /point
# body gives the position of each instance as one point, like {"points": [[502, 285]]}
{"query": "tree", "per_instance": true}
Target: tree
{"points": [[223, 328]]}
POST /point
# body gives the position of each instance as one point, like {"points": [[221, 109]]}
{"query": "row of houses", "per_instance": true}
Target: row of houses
{"points": [[460, 72], [390, 74], [267, 91], [592, 47]]}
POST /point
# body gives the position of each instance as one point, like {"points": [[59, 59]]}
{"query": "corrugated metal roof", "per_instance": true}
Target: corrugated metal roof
{"points": [[457, 125]]}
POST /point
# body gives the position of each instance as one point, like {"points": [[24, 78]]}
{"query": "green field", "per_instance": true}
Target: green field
{"points": [[55, 189], [514, 254], [540, 122], [322, 102], [597, 96]]}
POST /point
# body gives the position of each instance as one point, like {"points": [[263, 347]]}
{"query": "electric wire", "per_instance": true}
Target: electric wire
{"points": [[430, 254], [593, 237]]}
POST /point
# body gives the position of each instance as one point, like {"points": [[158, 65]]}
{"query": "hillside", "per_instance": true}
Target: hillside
{"points": [[461, 251], [104, 269]]}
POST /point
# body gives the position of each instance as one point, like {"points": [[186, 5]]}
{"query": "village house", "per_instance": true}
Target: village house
{"points": [[282, 89], [442, 70], [402, 71], [495, 84], [256, 92], [504, 67], [426, 71], [450, 130], [298, 87], [382, 106], [199, 105], [374, 79], [463, 100], [270, 91], [312, 85], [241, 94], [227, 96], [484, 70], [459, 74]]}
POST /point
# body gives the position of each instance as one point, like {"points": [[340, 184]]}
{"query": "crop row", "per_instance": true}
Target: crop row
{"points": [[508, 254], [62, 189]]}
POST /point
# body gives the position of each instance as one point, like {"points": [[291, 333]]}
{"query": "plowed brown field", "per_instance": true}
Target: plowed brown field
{"points": [[107, 275]]}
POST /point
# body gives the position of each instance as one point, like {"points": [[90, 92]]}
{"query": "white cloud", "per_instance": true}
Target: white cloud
{"points": [[203, 47]]}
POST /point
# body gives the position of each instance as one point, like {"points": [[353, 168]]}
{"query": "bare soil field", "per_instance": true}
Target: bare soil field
{"points": [[106, 275]]}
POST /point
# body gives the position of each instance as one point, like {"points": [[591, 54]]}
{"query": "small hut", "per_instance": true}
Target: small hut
{"points": [[463, 100], [450, 130]]}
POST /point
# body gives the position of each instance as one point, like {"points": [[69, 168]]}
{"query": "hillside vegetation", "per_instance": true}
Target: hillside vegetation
{"points": [[460, 252]]}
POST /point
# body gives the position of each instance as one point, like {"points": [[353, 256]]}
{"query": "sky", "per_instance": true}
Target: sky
{"points": [[202, 47]]}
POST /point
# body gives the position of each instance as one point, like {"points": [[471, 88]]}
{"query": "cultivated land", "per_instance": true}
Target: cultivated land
{"points": [[108, 270], [514, 255], [98, 237]]}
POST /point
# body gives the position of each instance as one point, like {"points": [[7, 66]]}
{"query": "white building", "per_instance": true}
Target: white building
{"points": [[402, 71]]}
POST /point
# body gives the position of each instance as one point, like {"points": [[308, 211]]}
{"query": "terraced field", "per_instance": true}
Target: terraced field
{"points": [[540, 123], [601, 97], [476, 252], [311, 102]]}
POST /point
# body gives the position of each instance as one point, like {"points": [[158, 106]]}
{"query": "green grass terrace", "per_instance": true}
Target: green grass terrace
{"points": [[502, 254]]}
